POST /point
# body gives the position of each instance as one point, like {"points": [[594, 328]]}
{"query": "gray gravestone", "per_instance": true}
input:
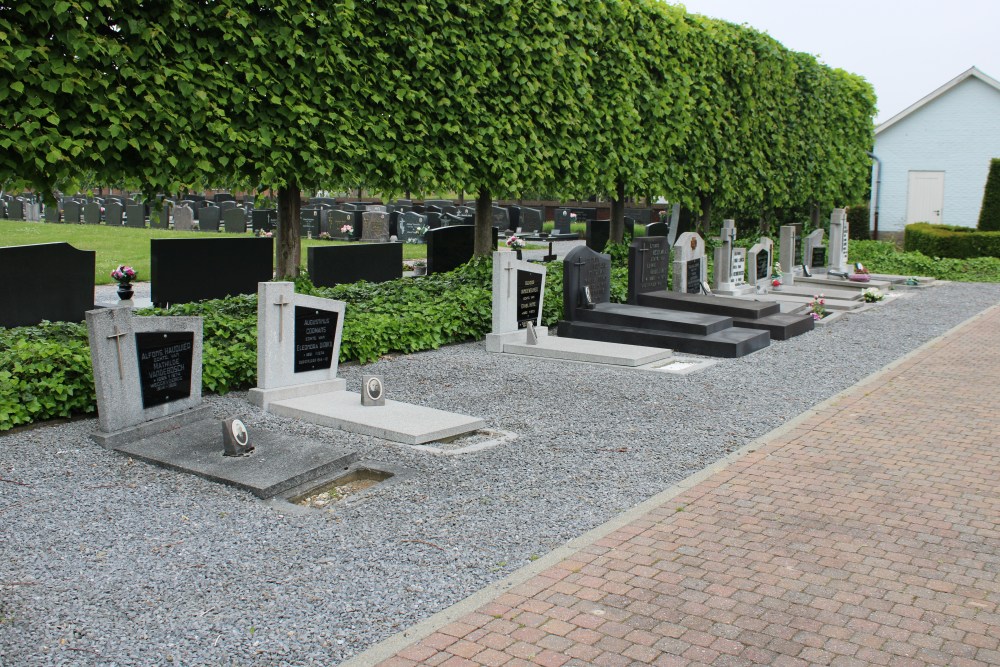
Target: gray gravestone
{"points": [[92, 214], [114, 214], [411, 227], [209, 218], [183, 218], [135, 216], [234, 219], [586, 280], [689, 267], [161, 219], [145, 368], [72, 211], [564, 218], [375, 227], [532, 220], [501, 219]]}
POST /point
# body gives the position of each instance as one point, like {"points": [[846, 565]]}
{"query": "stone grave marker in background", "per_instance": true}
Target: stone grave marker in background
{"points": [[337, 221], [339, 264], [786, 256], [53, 214], [234, 220], [532, 220], [209, 217], [813, 250], [838, 241], [730, 264], [564, 218], [183, 218], [648, 265], [658, 229], [146, 369], [135, 216], [92, 213], [450, 247], [62, 295], [263, 219], [518, 293], [375, 228], [411, 227], [309, 222], [114, 214], [159, 218], [501, 218], [642, 216], [238, 264], [598, 234], [689, 268], [760, 261], [586, 280], [72, 211]]}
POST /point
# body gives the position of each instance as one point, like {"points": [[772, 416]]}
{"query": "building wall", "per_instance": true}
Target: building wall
{"points": [[957, 133]]}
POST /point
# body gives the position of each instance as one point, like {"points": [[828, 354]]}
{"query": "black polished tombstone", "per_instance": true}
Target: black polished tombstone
{"points": [[114, 214], [598, 234], [179, 268], [589, 314], [263, 219], [309, 219], [234, 221], [450, 247], [135, 216], [642, 216], [72, 210], [209, 218], [165, 364], [818, 259], [658, 229], [530, 220], [331, 265], [62, 295]]}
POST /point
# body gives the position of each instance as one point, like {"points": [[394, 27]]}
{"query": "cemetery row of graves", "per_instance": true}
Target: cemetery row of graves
{"points": [[45, 366]]}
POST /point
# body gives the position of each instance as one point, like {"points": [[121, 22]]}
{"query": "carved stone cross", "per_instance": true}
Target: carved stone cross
{"points": [[281, 303], [117, 335]]}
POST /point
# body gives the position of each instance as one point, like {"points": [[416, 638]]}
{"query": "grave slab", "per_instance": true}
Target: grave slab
{"points": [[278, 462], [839, 283], [588, 351], [395, 421]]}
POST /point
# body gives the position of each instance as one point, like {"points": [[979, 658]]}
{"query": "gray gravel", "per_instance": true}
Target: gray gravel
{"points": [[106, 561]]}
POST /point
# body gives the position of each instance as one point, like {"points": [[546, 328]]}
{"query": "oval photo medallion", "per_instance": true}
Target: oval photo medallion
{"points": [[694, 242]]}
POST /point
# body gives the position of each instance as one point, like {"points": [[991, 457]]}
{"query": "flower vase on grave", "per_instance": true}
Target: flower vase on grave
{"points": [[125, 291], [518, 251]]}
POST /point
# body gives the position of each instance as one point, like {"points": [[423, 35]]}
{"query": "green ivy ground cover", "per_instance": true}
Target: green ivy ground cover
{"points": [[45, 370]]}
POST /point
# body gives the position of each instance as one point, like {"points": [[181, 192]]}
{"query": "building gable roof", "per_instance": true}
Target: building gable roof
{"points": [[972, 72]]}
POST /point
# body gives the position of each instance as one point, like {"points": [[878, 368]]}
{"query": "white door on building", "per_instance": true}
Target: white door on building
{"points": [[925, 197]]}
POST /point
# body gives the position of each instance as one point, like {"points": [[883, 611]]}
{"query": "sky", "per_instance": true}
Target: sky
{"points": [[906, 50]]}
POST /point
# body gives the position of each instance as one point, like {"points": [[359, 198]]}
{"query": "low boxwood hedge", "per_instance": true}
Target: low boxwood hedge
{"points": [[950, 241]]}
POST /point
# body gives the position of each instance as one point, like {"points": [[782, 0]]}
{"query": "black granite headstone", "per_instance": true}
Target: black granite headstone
{"points": [[315, 336], [529, 297], [135, 215], [209, 218], [694, 275], [331, 265], [184, 270], [799, 242], [450, 247], [648, 265], [165, 359], [598, 234], [531, 220], [658, 229], [818, 256], [63, 292], [411, 227], [584, 268], [309, 219], [263, 219]]}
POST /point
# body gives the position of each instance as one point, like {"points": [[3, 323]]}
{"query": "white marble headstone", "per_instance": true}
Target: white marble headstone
{"points": [[760, 261], [183, 218], [518, 298], [812, 242], [787, 253], [689, 263], [838, 240]]}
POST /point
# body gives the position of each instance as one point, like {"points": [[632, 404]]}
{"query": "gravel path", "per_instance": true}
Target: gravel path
{"points": [[106, 561]]}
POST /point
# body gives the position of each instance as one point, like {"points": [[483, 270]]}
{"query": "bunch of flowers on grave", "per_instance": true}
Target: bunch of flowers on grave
{"points": [[325, 236], [262, 234], [872, 295], [418, 236], [860, 273], [123, 274], [912, 282], [817, 307], [347, 230], [776, 275], [515, 243]]}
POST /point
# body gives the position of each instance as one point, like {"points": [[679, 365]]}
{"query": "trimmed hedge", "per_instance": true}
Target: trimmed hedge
{"points": [[989, 214], [950, 241]]}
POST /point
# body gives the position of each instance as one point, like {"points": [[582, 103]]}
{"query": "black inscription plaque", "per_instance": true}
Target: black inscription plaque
{"points": [[529, 297], [798, 242], [763, 264], [315, 334], [165, 360], [694, 276], [818, 256]]}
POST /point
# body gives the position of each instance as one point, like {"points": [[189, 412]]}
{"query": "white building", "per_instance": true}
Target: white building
{"points": [[933, 157]]}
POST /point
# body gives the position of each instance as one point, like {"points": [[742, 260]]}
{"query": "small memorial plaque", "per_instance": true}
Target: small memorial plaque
{"points": [[372, 390], [164, 366], [694, 275], [529, 297], [819, 256], [315, 333], [763, 265]]}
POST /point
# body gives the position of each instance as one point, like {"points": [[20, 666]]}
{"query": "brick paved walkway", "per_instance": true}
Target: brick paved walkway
{"points": [[865, 534]]}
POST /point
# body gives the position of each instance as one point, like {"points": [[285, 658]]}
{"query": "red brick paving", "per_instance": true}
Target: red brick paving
{"points": [[867, 534]]}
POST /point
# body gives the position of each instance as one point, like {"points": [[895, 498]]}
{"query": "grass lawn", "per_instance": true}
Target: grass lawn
{"points": [[126, 245]]}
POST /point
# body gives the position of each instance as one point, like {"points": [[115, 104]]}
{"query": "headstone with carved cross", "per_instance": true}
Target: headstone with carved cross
{"points": [[518, 294], [146, 369], [298, 343]]}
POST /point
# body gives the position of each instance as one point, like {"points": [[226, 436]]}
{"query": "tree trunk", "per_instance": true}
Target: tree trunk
{"points": [[484, 224], [618, 213], [289, 247], [706, 215]]}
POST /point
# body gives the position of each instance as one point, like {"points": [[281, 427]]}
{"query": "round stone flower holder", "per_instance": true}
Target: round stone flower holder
{"points": [[125, 291]]}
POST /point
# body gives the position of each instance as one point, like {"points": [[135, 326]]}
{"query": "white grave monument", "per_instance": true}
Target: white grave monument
{"points": [[183, 218], [787, 254], [760, 262], [518, 294], [690, 269], [813, 250], [298, 346], [838, 241], [730, 264]]}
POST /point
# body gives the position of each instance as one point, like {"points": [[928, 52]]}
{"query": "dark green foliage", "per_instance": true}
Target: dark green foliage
{"points": [[989, 214], [949, 241], [858, 222], [883, 257]]}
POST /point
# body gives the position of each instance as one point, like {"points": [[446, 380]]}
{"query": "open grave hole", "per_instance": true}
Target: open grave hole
{"points": [[351, 484]]}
